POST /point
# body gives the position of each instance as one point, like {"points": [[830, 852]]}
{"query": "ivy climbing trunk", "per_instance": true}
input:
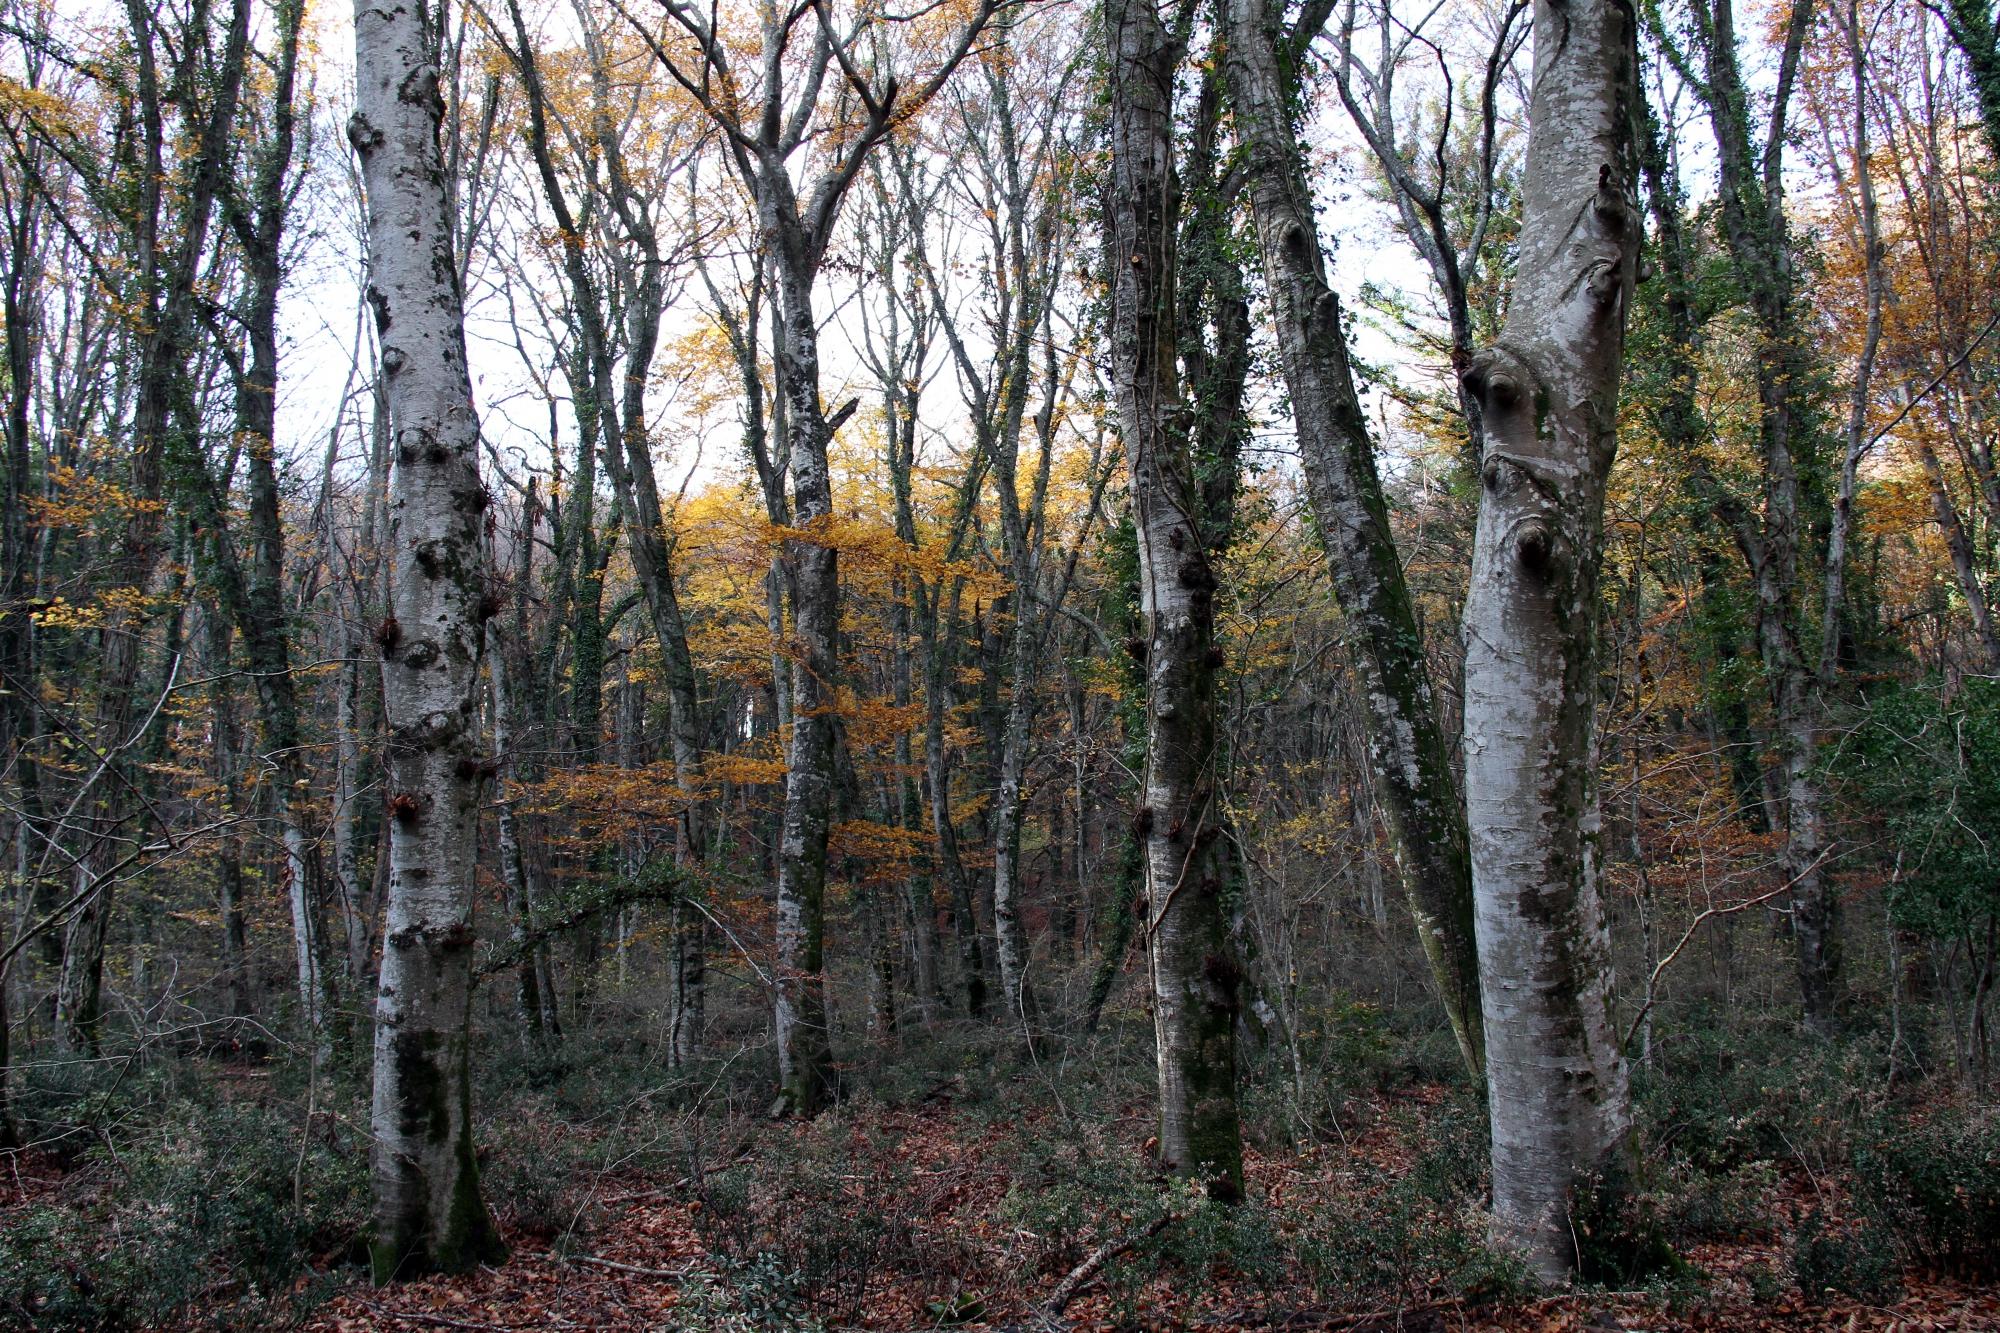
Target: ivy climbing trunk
{"points": [[1408, 757], [1195, 976], [1548, 390], [428, 1214]]}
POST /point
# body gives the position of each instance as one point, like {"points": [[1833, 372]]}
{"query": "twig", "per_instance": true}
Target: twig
{"points": [[1936, 380], [1080, 1276], [674, 1273], [1687, 936], [441, 1321]]}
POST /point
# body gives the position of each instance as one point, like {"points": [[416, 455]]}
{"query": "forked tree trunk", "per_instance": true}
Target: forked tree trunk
{"points": [[1407, 754], [261, 602], [1196, 978], [1557, 1091], [428, 1213]]}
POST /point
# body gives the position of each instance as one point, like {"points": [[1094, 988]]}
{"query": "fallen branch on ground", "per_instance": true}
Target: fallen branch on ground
{"points": [[676, 1274], [1094, 1262]]}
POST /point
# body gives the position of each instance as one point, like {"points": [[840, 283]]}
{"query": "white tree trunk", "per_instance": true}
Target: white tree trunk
{"points": [[308, 954], [428, 1213], [802, 1030], [1557, 1089], [1009, 934], [1195, 974]]}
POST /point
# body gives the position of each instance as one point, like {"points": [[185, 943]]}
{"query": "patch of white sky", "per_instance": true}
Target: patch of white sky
{"points": [[326, 370]]}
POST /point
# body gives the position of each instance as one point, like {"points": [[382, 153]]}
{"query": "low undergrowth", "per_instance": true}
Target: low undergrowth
{"points": [[973, 1181]]}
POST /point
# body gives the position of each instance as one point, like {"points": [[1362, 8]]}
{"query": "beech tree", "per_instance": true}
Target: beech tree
{"points": [[168, 222], [1195, 973], [428, 1213], [935, 604], [764, 122], [1776, 542], [1548, 389]]}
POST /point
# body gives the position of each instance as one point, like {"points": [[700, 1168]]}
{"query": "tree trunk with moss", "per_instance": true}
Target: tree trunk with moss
{"points": [[1557, 1088], [1195, 975], [428, 1214], [1407, 753]]}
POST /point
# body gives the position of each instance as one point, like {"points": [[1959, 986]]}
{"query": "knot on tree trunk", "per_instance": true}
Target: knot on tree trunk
{"points": [[474, 768], [1604, 279], [362, 134], [416, 443], [429, 731], [421, 87], [1610, 205], [1498, 377]]}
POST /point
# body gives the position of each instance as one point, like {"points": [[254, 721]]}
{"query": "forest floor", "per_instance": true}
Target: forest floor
{"points": [[936, 1216]]}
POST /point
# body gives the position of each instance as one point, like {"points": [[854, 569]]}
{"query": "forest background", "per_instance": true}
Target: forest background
{"points": [[833, 875]]}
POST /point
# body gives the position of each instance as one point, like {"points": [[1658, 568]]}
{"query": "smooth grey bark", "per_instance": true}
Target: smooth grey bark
{"points": [[804, 1035], [428, 1214], [794, 234], [1194, 972], [1557, 1089], [1407, 751]]}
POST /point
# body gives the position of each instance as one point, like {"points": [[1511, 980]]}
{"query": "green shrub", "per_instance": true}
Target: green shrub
{"points": [[1732, 1204], [216, 1207], [1420, 1237], [1723, 1096], [754, 1296], [1072, 1192], [534, 1172], [1620, 1238], [1935, 1185], [1856, 1262], [825, 1206]]}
